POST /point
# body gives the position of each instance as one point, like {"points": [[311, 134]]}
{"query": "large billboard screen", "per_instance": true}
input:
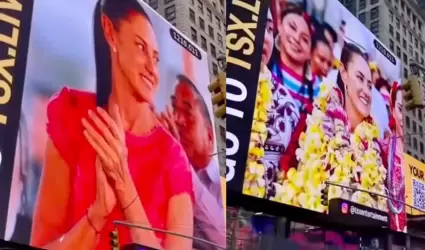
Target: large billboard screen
{"points": [[326, 107], [117, 124], [415, 185]]}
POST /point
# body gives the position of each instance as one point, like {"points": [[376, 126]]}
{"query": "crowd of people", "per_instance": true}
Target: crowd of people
{"points": [[333, 115]]}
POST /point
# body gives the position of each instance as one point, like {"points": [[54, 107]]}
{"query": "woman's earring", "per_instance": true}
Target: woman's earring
{"points": [[277, 42]]}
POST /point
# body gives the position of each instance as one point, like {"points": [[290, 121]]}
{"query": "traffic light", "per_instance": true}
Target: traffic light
{"points": [[324, 196], [114, 242], [413, 93], [218, 91]]}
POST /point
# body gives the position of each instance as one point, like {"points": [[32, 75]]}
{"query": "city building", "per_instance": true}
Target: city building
{"points": [[204, 22], [399, 24]]}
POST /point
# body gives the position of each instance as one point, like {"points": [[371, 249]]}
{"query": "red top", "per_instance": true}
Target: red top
{"points": [[157, 163]]}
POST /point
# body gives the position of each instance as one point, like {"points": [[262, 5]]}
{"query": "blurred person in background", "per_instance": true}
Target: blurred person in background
{"points": [[189, 121], [268, 44], [330, 34], [378, 101], [41, 93], [396, 183], [321, 55], [107, 157], [18, 221]]}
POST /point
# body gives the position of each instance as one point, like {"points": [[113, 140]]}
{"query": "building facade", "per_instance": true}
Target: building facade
{"points": [[399, 24], [204, 22]]}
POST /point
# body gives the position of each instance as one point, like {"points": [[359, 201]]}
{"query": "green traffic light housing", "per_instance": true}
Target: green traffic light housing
{"points": [[218, 91], [413, 93]]}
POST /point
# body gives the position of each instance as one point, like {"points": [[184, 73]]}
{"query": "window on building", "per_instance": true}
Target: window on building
{"points": [[416, 43], [217, 21], [404, 43], [414, 127], [422, 49], [374, 13], [362, 4], [204, 43], [407, 122], [391, 16], [405, 58], [209, 14], [404, 30], [417, 56], [421, 131], [415, 144], [201, 6], [168, 1], [201, 23], [153, 4], [391, 45], [362, 17], [410, 50], [397, 36], [374, 2], [397, 23], [211, 31], [213, 51], [405, 73], [374, 27], [421, 147], [192, 15], [410, 37], [420, 115], [219, 39], [391, 30], [215, 68], [398, 52], [170, 12], [194, 34]]}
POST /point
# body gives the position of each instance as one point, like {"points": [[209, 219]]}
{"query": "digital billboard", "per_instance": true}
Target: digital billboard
{"points": [[415, 185], [116, 124], [325, 106]]}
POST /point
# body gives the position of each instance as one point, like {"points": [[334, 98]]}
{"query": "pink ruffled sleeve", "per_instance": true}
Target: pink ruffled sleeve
{"points": [[64, 113], [178, 175]]}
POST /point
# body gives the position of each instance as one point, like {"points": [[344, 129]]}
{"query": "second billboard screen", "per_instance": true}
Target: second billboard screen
{"points": [[328, 108]]}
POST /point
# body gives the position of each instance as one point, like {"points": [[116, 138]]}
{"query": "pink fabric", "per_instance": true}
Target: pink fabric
{"points": [[157, 163]]}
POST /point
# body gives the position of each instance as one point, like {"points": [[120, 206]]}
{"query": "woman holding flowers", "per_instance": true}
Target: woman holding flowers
{"points": [[340, 143]]}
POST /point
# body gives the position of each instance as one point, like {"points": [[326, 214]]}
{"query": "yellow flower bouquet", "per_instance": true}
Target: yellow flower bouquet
{"points": [[328, 151], [254, 183]]}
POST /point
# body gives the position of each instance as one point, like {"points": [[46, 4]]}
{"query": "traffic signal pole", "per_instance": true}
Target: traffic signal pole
{"points": [[373, 193]]}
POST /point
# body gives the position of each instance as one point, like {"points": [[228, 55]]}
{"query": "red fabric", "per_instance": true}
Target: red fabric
{"points": [[157, 163], [288, 159]]}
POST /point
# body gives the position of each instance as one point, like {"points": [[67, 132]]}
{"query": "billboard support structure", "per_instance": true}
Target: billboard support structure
{"points": [[127, 224], [373, 193]]}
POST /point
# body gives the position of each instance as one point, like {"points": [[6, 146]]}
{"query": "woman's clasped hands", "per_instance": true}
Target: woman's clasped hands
{"points": [[105, 133]]}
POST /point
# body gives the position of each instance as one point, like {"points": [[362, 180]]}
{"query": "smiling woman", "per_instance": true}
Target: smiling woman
{"points": [[118, 145]]}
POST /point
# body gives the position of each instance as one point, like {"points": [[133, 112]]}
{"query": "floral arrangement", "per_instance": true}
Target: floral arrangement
{"points": [[330, 152], [255, 184]]}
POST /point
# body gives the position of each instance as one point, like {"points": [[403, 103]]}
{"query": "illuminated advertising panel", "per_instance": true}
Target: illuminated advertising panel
{"points": [[116, 124], [415, 185], [326, 107]]}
